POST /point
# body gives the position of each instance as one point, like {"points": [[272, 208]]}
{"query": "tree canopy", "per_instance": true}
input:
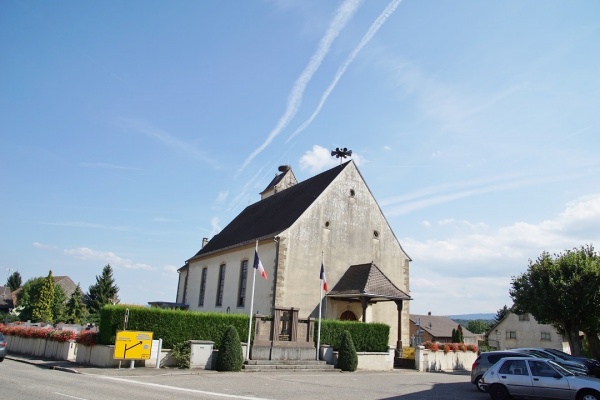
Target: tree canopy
{"points": [[14, 281], [563, 290], [76, 310], [103, 292], [501, 313], [42, 309]]}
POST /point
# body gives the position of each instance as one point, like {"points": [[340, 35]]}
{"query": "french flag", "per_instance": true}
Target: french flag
{"points": [[323, 278], [258, 265]]}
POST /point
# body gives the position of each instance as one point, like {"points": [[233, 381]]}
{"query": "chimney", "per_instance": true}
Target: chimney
{"points": [[429, 313], [204, 241]]}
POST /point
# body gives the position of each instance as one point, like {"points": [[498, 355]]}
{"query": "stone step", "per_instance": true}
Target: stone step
{"points": [[287, 365]]}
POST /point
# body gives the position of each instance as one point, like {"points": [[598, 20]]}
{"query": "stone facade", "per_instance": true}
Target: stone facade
{"points": [[343, 226], [515, 331]]}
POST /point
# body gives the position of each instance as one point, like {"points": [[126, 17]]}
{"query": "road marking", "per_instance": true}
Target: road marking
{"points": [[71, 397], [231, 396]]}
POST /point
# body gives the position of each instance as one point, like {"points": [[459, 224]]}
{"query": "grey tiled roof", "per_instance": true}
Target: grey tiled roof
{"points": [[66, 284], [438, 326], [273, 214], [367, 280], [5, 298]]}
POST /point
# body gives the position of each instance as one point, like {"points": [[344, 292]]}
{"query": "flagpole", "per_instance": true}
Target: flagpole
{"points": [[251, 306], [320, 303]]}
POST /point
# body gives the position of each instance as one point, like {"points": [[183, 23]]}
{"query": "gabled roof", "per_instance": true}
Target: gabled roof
{"points": [[438, 326], [66, 283], [6, 301], [271, 215], [366, 280]]}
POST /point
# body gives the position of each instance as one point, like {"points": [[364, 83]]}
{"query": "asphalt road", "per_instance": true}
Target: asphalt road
{"points": [[20, 381]]}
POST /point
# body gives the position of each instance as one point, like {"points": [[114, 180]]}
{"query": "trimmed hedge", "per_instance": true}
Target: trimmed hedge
{"points": [[173, 326], [230, 356], [347, 357], [372, 337]]}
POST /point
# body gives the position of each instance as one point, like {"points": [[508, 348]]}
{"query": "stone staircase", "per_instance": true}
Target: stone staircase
{"points": [[286, 365]]}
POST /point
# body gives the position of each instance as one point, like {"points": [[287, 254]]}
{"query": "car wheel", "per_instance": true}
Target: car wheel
{"points": [[1, 359], [478, 384], [588, 395], [499, 392]]}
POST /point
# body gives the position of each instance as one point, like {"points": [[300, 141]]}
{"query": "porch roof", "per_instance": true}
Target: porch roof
{"points": [[366, 281]]}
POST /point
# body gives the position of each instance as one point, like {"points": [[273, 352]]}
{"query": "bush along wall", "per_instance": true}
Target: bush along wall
{"points": [[173, 326], [366, 337]]}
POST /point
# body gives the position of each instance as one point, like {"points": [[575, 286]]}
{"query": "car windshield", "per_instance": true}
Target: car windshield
{"points": [[558, 353], [560, 368]]}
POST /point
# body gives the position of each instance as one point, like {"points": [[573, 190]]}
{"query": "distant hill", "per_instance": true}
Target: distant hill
{"points": [[483, 316]]}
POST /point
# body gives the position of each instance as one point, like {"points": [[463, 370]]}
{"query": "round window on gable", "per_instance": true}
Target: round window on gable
{"points": [[327, 224], [376, 234], [352, 193]]}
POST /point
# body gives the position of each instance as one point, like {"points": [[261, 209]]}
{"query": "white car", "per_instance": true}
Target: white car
{"points": [[537, 378]]}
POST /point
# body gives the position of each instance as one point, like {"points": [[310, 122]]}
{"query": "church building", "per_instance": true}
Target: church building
{"points": [[330, 219]]}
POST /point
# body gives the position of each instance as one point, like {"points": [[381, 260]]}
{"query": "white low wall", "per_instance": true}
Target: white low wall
{"points": [[368, 361], [427, 360], [42, 347]]}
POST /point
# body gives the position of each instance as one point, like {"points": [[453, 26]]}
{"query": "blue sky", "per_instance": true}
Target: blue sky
{"points": [[131, 130]]}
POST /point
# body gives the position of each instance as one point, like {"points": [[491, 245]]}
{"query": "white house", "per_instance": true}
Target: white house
{"points": [[515, 331], [331, 218]]}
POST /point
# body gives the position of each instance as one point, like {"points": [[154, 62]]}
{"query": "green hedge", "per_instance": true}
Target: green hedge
{"points": [[371, 337], [172, 326], [176, 326]]}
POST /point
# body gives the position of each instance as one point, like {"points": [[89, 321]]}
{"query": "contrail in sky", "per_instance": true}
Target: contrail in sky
{"points": [[342, 16], [366, 38]]}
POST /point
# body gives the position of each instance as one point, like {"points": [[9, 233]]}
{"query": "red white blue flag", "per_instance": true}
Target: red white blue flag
{"points": [[258, 265], [323, 278]]}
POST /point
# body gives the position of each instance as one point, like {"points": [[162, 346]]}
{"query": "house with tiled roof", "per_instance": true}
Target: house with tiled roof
{"points": [[6, 301], [437, 329], [331, 218]]}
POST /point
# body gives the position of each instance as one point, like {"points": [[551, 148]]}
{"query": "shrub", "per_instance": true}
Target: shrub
{"points": [[230, 356], [472, 347], [347, 357], [182, 352], [365, 336], [462, 347], [87, 338], [447, 348], [454, 347]]}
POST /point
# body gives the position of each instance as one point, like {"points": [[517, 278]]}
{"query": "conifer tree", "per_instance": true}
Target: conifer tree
{"points": [[58, 304], [103, 292], [76, 309], [42, 309], [14, 281]]}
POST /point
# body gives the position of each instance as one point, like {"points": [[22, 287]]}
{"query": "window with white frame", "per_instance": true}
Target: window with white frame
{"points": [[511, 334], [524, 317], [546, 336]]}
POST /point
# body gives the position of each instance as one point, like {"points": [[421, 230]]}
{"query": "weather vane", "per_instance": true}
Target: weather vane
{"points": [[341, 153]]}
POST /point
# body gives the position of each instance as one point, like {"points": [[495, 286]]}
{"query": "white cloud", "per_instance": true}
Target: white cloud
{"points": [[222, 197], [508, 249], [170, 270], [166, 138], [42, 246], [109, 257], [317, 160], [426, 224], [107, 166], [387, 148], [343, 14], [375, 26], [215, 223]]}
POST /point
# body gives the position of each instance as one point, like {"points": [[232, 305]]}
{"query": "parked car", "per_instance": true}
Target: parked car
{"points": [[593, 365], [485, 360], [537, 378], [3, 350], [573, 366]]}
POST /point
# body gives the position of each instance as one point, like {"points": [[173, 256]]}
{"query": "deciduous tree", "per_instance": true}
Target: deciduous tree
{"points": [[563, 290]]}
